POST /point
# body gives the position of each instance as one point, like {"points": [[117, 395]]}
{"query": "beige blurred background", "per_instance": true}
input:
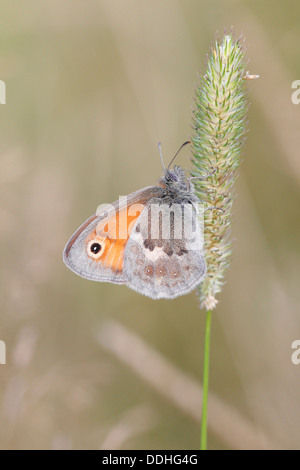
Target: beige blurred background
{"points": [[91, 88]]}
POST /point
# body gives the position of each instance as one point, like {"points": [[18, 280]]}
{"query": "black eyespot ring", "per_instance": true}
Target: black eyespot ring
{"points": [[95, 248]]}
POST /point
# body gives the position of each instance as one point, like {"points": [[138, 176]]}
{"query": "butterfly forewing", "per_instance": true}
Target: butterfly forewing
{"points": [[96, 250]]}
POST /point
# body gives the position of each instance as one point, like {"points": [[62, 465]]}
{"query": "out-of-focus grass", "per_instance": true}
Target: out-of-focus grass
{"points": [[91, 88]]}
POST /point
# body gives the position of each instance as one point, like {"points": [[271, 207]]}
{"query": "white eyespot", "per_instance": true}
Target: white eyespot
{"points": [[95, 249]]}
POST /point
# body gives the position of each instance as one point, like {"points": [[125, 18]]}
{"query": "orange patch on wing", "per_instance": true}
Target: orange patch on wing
{"points": [[113, 234]]}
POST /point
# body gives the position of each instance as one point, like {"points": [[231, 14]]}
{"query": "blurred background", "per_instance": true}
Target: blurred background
{"points": [[91, 88]]}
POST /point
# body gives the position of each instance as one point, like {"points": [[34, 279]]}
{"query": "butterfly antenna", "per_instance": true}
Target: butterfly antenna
{"points": [[183, 145], [160, 154]]}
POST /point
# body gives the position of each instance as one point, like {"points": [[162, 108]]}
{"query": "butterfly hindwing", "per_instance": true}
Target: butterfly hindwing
{"points": [[164, 267]]}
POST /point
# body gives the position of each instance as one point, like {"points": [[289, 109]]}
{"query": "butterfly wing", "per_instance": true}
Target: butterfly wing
{"points": [[96, 250], [165, 266]]}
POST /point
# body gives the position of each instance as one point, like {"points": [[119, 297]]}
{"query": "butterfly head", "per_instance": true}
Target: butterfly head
{"points": [[177, 187], [175, 177]]}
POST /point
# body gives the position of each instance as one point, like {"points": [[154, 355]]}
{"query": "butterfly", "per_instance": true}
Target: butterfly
{"points": [[151, 240]]}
